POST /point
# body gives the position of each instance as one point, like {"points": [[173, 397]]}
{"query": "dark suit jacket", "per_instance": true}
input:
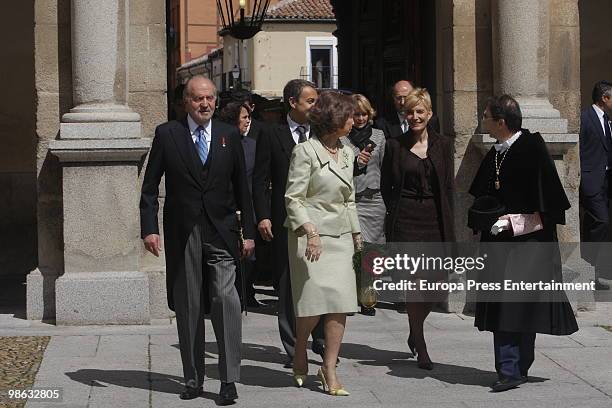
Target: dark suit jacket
{"points": [[593, 153], [191, 197], [256, 129], [391, 126], [272, 158], [440, 151]]}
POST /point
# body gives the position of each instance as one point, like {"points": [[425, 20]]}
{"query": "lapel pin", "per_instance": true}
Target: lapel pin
{"points": [[223, 141]]}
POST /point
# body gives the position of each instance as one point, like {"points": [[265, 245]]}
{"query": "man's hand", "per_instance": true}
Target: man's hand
{"points": [[152, 244], [363, 158], [247, 248], [265, 229]]}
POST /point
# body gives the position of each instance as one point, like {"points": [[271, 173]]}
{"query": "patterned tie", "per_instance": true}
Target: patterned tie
{"points": [[302, 133], [404, 126], [201, 145], [608, 138]]}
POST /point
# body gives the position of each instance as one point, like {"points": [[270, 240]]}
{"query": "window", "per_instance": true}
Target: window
{"points": [[321, 59]]}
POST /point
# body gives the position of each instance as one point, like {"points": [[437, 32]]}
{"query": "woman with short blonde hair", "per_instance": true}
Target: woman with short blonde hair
{"points": [[417, 187], [370, 205], [362, 104]]}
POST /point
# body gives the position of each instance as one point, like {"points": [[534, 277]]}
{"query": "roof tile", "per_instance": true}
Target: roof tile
{"points": [[301, 10]]}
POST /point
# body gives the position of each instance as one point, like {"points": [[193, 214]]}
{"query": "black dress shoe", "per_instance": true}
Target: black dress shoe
{"points": [[425, 365], [368, 311], [227, 393], [288, 363], [191, 393], [506, 384]]}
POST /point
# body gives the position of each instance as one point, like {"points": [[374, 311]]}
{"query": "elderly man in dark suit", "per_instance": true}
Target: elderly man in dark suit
{"points": [[273, 154], [395, 123], [203, 163], [595, 168]]}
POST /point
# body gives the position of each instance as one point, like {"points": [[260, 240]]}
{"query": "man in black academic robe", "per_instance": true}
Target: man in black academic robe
{"points": [[520, 173]]}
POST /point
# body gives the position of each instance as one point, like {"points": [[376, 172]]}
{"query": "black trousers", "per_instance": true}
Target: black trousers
{"points": [[595, 224], [514, 353]]}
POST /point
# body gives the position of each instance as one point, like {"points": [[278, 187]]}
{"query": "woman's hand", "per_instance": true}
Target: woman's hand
{"points": [[313, 248], [357, 242]]}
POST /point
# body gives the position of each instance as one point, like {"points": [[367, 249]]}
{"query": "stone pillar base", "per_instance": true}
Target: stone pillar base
{"points": [[92, 113], [540, 116], [95, 298], [40, 299], [100, 130]]}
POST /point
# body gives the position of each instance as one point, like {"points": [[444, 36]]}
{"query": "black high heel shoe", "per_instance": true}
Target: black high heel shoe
{"points": [[425, 365], [423, 360]]}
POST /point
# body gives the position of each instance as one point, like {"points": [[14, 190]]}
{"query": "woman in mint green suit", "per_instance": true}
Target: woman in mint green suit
{"points": [[323, 234]]}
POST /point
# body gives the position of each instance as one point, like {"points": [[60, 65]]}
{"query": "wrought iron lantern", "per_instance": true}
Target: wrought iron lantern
{"points": [[247, 25]]}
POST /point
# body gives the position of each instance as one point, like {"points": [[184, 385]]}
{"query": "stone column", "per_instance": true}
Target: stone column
{"points": [[100, 62], [521, 34], [101, 153]]}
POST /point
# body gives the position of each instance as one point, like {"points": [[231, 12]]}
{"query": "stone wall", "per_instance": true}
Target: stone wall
{"points": [[595, 46], [147, 96], [464, 82], [53, 92], [565, 60], [53, 75]]}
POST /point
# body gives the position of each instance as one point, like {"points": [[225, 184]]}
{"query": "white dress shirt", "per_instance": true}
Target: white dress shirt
{"points": [[505, 145], [207, 131], [600, 115], [293, 125]]}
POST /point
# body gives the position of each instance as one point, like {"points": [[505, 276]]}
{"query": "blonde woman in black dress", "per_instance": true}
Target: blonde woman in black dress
{"points": [[417, 187]]}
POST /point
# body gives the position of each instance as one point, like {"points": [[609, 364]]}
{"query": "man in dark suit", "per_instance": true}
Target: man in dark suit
{"points": [[396, 124], [203, 164], [595, 168], [273, 154]]}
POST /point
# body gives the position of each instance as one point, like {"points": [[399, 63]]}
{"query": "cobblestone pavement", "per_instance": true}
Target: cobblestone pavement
{"points": [[20, 359]]}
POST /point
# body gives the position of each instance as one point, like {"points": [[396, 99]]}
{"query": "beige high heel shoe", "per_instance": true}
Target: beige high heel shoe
{"points": [[299, 379], [336, 392]]}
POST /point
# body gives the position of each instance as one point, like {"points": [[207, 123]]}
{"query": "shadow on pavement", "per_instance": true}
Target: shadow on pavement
{"points": [[157, 382], [401, 364]]}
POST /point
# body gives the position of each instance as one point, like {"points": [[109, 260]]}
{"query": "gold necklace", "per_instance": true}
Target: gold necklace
{"points": [[498, 167], [331, 150]]}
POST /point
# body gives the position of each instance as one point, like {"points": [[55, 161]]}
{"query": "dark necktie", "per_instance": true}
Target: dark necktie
{"points": [[606, 119], [301, 133]]}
